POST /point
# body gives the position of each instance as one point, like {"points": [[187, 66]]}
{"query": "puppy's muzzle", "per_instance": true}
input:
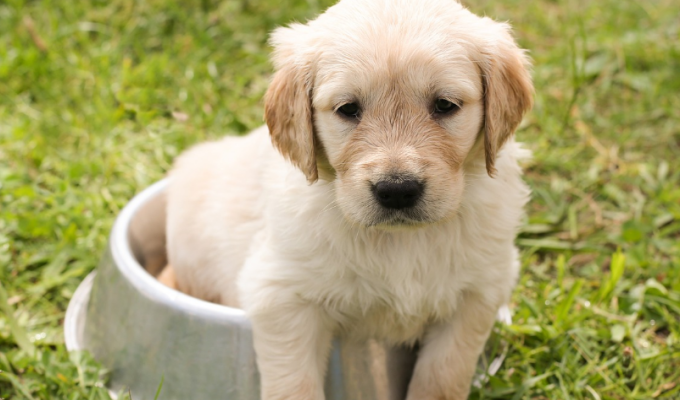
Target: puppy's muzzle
{"points": [[398, 194]]}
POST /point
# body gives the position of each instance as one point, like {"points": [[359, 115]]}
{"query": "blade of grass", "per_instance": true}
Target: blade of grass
{"points": [[17, 331], [616, 267], [559, 264], [565, 305], [160, 386], [14, 380]]}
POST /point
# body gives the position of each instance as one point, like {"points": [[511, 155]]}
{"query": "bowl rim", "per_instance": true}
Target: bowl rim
{"points": [[147, 285]]}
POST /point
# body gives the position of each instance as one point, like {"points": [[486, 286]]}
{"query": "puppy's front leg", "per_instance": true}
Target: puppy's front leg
{"points": [[449, 355], [292, 342]]}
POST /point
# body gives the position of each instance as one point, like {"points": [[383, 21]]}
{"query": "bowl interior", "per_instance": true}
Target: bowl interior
{"points": [[146, 234]]}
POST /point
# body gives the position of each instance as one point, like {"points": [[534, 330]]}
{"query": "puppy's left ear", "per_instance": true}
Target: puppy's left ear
{"points": [[288, 105], [508, 91]]}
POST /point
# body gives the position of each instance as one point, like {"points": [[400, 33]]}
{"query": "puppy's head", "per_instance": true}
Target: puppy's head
{"points": [[392, 100]]}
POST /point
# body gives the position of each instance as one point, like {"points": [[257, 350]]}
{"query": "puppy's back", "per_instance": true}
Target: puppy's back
{"points": [[214, 210]]}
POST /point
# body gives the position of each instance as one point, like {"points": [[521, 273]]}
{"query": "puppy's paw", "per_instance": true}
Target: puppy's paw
{"points": [[292, 388], [437, 387], [430, 396], [168, 277]]}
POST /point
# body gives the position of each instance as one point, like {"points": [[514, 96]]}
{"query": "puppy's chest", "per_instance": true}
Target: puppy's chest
{"points": [[392, 299]]}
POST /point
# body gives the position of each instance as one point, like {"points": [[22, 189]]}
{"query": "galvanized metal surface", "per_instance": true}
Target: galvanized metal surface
{"points": [[144, 332]]}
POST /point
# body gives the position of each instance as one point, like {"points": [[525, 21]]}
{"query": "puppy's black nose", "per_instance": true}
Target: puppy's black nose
{"points": [[398, 195]]}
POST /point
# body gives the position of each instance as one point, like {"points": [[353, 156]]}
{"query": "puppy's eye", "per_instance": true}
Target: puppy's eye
{"points": [[350, 110], [443, 106]]}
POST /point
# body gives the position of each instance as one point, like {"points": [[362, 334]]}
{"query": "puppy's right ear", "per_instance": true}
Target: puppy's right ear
{"points": [[288, 104]]}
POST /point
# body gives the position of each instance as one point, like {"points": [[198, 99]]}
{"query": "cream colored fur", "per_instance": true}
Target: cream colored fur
{"points": [[292, 232]]}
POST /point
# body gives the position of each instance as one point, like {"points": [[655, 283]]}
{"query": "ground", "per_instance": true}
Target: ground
{"points": [[97, 98]]}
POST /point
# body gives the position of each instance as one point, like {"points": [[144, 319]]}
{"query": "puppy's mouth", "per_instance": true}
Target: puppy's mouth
{"points": [[399, 219]]}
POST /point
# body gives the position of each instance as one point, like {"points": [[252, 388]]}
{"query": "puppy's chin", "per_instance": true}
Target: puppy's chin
{"points": [[400, 225], [396, 220]]}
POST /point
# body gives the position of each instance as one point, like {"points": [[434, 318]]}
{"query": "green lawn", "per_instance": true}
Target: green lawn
{"points": [[98, 97]]}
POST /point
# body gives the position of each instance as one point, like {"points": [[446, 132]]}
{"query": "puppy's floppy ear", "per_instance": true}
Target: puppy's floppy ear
{"points": [[508, 91], [288, 104]]}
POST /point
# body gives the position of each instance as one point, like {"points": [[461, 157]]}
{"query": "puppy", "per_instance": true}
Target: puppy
{"points": [[387, 206]]}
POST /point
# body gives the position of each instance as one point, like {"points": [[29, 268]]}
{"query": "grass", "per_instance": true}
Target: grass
{"points": [[97, 98]]}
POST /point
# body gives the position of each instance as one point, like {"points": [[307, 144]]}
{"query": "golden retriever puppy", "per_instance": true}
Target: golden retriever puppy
{"points": [[387, 206]]}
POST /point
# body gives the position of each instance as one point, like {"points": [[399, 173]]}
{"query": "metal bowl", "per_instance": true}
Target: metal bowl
{"points": [[145, 332]]}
